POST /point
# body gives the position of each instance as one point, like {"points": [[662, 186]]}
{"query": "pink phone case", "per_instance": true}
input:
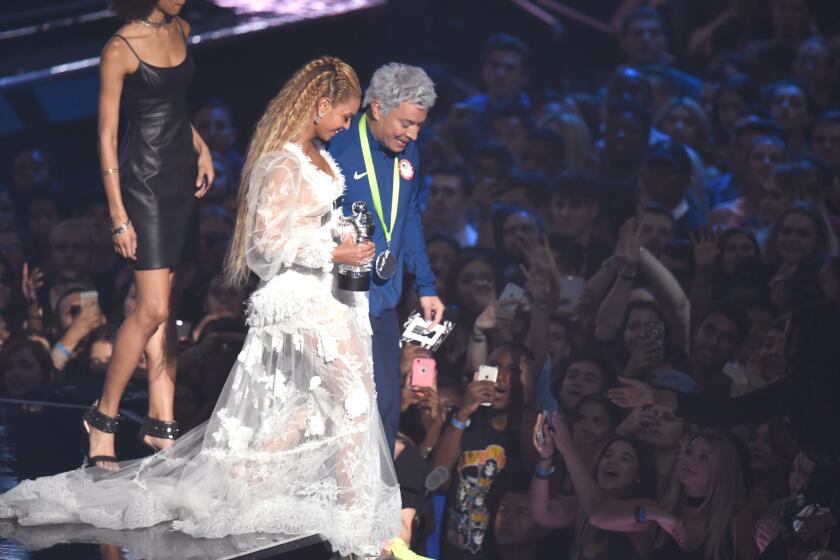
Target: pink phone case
{"points": [[423, 372]]}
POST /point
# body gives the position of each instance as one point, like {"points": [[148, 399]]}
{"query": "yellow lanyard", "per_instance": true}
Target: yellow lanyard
{"points": [[374, 185]]}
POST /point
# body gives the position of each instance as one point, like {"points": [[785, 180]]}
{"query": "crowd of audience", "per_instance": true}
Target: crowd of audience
{"points": [[663, 226]]}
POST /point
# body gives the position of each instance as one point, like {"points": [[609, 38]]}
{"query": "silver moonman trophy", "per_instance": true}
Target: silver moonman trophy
{"points": [[360, 226]]}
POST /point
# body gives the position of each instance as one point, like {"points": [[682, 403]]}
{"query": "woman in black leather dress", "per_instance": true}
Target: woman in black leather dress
{"points": [[152, 183]]}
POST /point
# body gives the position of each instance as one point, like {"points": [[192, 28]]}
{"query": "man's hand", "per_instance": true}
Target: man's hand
{"points": [[432, 310]]}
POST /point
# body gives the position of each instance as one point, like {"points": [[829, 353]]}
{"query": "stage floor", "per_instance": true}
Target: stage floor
{"points": [[38, 439], [83, 542]]}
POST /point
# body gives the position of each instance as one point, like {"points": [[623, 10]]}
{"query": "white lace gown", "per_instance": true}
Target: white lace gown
{"points": [[295, 444]]}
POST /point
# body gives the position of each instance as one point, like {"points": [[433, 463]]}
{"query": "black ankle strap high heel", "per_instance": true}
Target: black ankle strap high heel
{"points": [[107, 424], [160, 429]]}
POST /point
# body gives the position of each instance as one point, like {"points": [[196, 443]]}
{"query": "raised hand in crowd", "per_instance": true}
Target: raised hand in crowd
{"points": [[477, 392], [626, 262], [542, 438], [89, 318], [32, 281], [647, 355], [409, 353], [542, 279], [431, 416], [496, 317], [705, 242], [767, 529], [634, 394], [428, 401], [560, 434], [628, 247]]}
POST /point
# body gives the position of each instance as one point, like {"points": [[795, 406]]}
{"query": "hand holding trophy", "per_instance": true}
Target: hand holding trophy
{"points": [[359, 226]]}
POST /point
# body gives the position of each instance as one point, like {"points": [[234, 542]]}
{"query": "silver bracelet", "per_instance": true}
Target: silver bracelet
{"points": [[122, 228]]}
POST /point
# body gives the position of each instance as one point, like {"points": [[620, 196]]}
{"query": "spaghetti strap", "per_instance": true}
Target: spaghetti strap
{"points": [[178, 21], [129, 46]]}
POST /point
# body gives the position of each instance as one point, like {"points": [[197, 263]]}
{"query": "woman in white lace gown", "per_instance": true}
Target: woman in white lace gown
{"points": [[295, 444]]}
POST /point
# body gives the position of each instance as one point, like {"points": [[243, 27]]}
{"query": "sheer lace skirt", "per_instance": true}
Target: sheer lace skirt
{"points": [[295, 445]]}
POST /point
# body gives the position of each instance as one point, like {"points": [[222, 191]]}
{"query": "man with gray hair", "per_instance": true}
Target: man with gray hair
{"points": [[380, 160]]}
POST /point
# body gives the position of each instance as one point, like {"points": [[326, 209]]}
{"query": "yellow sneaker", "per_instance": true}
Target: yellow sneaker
{"points": [[400, 551]]}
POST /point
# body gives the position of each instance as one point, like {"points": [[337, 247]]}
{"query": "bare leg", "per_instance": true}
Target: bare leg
{"points": [[162, 356], [161, 359], [153, 289]]}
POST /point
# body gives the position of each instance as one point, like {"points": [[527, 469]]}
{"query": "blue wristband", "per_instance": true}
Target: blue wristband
{"points": [[63, 349], [460, 425], [544, 474], [641, 515]]}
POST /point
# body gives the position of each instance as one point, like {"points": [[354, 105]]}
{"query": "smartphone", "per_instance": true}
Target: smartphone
{"points": [[487, 373], [545, 398], [655, 330], [571, 290], [89, 299], [183, 329], [513, 293], [423, 372], [540, 436]]}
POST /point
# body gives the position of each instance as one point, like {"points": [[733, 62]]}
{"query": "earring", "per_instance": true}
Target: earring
{"points": [[319, 117]]}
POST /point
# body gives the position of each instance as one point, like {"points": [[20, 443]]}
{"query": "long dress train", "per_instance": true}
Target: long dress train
{"points": [[295, 444]]}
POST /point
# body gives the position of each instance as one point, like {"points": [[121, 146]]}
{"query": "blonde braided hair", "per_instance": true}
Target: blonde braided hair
{"points": [[286, 119]]}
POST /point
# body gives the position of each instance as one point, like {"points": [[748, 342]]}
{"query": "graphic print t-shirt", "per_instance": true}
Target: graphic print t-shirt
{"points": [[488, 459]]}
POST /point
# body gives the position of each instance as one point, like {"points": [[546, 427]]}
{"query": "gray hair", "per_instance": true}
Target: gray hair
{"points": [[394, 83]]}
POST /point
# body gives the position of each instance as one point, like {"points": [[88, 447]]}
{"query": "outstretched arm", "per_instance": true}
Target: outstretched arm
{"points": [[768, 402], [627, 253], [675, 304]]}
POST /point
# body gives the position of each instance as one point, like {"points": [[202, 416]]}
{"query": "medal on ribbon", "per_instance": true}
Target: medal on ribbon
{"points": [[385, 263]]}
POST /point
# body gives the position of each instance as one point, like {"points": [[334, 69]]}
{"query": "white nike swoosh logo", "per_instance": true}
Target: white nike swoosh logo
{"points": [[357, 175]]}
